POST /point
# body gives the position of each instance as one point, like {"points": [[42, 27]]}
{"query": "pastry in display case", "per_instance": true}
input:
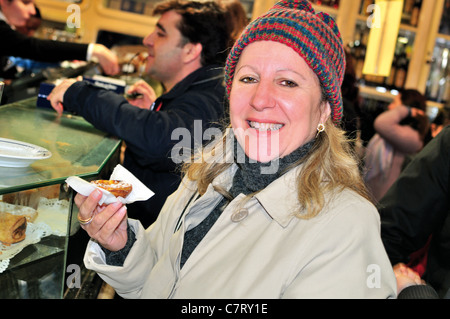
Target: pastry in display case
{"points": [[12, 228], [33, 229], [41, 242]]}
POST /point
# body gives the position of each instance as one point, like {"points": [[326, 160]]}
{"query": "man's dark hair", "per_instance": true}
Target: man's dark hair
{"points": [[201, 22]]}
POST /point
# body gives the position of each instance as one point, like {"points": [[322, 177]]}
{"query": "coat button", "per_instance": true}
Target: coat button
{"points": [[239, 215]]}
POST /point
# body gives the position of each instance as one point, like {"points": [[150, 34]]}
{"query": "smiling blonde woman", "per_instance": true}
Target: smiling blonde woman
{"points": [[276, 207]]}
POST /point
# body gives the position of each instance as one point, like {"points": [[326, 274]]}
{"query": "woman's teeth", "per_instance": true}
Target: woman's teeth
{"points": [[265, 126]]}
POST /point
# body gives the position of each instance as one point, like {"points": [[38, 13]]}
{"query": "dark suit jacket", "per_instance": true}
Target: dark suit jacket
{"points": [[16, 44]]}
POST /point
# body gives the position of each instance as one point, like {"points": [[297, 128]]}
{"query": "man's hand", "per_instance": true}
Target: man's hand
{"points": [[106, 58], [147, 92], [56, 97]]}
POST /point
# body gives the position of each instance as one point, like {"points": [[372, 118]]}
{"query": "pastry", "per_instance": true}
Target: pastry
{"points": [[29, 213], [117, 188], [12, 228]]}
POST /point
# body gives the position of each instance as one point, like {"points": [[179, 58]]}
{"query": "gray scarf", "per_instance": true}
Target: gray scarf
{"points": [[247, 179]]}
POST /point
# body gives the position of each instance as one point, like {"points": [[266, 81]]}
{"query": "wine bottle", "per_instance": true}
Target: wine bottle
{"points": [[415, 12], [390, 78], [402, 70], [408, 7], [359, 54]]}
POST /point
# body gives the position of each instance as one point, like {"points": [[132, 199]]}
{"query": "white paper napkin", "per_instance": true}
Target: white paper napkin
{"points": [[140, 192]]}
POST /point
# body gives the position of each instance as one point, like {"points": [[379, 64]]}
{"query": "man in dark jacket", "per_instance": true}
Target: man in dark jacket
{"points": [[186, 51], [417, 208]]}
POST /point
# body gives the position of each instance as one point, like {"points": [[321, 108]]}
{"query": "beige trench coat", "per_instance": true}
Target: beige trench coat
{"points": [[259, 250]]}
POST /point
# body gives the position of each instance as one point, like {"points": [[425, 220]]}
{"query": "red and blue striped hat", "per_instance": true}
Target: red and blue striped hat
{"points": [[314, 36]]}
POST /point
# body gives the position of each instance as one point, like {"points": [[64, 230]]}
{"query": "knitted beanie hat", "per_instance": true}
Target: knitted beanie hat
{"points": [[315, 37]]}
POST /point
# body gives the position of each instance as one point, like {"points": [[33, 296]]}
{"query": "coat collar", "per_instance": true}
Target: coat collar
{"points": [[279, 199], [200, 76]]}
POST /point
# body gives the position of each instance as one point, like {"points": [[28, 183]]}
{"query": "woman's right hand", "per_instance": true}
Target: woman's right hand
{"points": [[109, 223]]}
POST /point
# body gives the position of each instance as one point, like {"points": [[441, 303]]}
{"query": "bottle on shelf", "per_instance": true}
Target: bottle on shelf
{"points": [[437, 88], [400, 62], [401, 71], [390, 79], [364, 5], [444, 93], [444, 26], [359, 53], [408, 6], [368, 79], [415, 12]]}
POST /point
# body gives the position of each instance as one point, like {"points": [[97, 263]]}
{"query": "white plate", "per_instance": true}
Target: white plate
{"points": [[20, 154]]}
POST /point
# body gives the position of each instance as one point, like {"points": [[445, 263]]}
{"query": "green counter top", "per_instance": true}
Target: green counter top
{"points": [[77, 147]]}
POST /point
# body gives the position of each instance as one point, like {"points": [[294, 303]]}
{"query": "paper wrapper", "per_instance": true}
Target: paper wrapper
{"points": [[140, 192]]}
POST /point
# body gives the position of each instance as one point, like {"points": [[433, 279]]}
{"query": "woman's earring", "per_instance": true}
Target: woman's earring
{"points": [[320, 128]]}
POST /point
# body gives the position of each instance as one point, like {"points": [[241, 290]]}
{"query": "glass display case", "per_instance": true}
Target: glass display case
{"points": [[47, 262]]}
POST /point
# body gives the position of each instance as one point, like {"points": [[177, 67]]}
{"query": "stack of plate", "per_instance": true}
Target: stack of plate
{"points": [[20, 154]]}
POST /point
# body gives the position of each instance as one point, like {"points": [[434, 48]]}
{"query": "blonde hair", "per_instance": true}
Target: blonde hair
{"points": [[329, 167]]}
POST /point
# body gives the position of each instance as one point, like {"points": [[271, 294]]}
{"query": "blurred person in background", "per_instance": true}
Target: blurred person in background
{"points": [[236, 16], [415, 215], [32, 24], [17, 66], [15, 14], [400, 131]]}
